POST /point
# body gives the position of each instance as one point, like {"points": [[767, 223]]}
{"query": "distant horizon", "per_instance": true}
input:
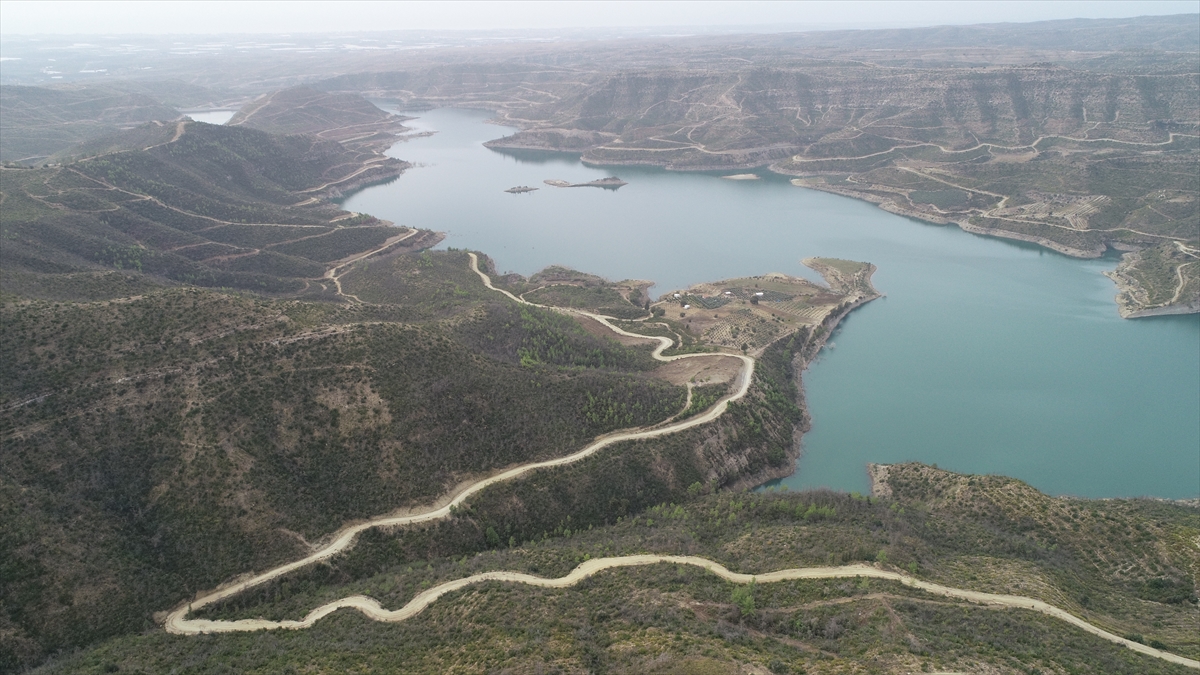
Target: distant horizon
{"points": [[217, 18]]}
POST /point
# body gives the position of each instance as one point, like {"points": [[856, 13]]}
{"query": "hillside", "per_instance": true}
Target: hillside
{"points": [[226, 402], [36, 122], [242, 420], [1125, 565], [347, 118], [203, 205], [160, 444], [1048, 133]]}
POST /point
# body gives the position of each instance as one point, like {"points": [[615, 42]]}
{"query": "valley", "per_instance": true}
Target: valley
{"points": [[311, 391]]}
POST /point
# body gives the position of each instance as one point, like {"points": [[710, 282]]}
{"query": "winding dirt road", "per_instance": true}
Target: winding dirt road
{"points": [[373, 610], [178, 623], [333, 275]]}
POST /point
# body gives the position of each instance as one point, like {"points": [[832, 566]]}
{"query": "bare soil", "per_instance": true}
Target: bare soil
{"points": [[700, 371]]}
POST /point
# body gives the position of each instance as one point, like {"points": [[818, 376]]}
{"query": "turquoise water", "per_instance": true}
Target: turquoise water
{"points": [[985, 356]]}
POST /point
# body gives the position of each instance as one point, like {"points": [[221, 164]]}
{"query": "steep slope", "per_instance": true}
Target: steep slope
{"points": [[203, 204], [347, 118], [36, 122], [1125, 565], [157, 445]]}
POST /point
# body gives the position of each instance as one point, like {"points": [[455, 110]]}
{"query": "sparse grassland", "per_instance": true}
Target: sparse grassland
{"points": [[1164, 279], [213, 207], [968, 531], [748, 314], [159, 444]]}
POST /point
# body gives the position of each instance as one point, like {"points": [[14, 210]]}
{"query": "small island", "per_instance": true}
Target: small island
{"points": [[609, 183], [520, 189]]}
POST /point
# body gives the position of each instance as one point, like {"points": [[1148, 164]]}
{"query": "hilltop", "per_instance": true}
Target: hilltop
{"points": [[203, 205], [194, 424], [209, 371], [37, 122], [1046, 132], [1125, 565], [159, 444], [347, 118]]}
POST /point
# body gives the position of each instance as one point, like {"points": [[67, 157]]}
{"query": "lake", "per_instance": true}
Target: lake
{"points": [[210, 116], [985, 356]]}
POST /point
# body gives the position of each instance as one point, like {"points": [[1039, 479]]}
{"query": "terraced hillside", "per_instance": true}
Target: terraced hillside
{"points": [[347, 118], [1071, 146], [1125, 565], [37, 122], [202, 204], [159, 444]]}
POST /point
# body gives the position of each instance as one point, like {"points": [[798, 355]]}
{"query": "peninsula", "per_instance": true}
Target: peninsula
{"points": [[244, 429], [1071, 135]]}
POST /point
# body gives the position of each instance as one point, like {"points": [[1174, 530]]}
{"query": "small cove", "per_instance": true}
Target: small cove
{"points": [[985, 356]]}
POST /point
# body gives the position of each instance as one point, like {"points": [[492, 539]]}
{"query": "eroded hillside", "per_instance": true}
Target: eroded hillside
{"points": [[1070, 146], [1125, 565], [347, 118], [204, 205]]}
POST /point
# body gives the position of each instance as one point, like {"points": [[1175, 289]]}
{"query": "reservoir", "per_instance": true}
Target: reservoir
{"points": [[984, 356], [210, 116]]}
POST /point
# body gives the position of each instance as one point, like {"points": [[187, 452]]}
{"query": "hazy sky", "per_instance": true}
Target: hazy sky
{"points": [[212, 17]]}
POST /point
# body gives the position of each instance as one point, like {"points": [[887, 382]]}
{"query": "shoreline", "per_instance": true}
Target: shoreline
{"points": [[800, 363], [772, 164], [964, 225], [1130, 296], [388, 171]]}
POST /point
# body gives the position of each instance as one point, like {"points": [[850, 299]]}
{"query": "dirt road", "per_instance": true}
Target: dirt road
{"points": [[373, 610], [178, 623]]}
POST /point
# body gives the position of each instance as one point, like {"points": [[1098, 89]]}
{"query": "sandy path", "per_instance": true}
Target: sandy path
{"points": [[1179, 271], [367, 166], [177, 621], [332, 272], [373, 610]]}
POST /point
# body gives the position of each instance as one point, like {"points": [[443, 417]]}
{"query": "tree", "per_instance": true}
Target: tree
{"points": [[743, 598]]}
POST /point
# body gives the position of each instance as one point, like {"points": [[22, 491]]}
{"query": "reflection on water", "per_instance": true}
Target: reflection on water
{"points": [[985, 356], [542, 157], [211, 116]]}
